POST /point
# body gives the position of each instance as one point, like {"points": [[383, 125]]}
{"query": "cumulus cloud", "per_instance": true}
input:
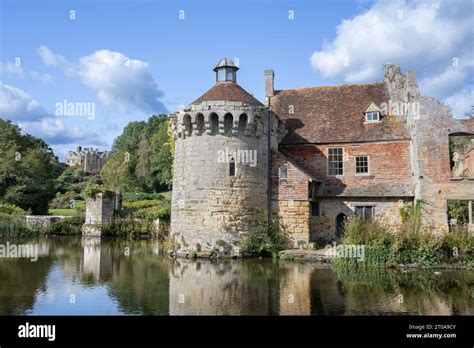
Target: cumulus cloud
{"points": [[55, 131], [119, 81], [17, 105], [432, 37]]}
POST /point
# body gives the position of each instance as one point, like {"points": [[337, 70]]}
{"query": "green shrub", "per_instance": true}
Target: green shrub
{"points": [[141, 204], [13, 226], [127, 227], [69, 226], [360, 232], [92, 189], [153, 213], [141, 196], [459, 210], [11, 209], [265, 239], [408, 244]]}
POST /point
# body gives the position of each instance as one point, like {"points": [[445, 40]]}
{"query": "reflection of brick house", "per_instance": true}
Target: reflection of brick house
{"points": [[327, 153], [88, 159]]}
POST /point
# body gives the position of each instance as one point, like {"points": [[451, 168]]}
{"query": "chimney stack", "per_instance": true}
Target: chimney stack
{"points": [[269, 77]]}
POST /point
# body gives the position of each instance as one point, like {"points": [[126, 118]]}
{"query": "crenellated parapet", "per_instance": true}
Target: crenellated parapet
{"points": [[229, 118]]}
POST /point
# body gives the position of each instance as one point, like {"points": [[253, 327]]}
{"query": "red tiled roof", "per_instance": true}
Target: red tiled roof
{"points": [[229, 91], [334, 114]]}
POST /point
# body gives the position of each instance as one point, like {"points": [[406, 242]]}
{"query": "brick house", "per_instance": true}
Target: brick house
{"points": [[366, 150]]}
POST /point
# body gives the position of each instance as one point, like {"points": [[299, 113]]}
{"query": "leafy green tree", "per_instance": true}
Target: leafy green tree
{"points": [[130, 137], [116, 173], [148, 146], [28, 169]]}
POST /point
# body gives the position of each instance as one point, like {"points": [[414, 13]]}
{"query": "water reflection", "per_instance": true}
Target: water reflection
{"points": [[114, 276]]}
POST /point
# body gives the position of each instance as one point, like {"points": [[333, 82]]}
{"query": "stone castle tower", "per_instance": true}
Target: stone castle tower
{"points": [[221, 167]]}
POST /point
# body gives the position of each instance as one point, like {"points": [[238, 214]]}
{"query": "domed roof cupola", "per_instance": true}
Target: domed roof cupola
{"points": [[226, 71]]}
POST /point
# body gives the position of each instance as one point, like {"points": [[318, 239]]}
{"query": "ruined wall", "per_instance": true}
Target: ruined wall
{"points": [[430, 130], [99, 211]]}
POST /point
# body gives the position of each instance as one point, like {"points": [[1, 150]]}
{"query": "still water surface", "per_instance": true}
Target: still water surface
{"points": [[75, 276]]}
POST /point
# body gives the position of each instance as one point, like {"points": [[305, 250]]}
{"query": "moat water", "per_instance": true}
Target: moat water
{"points": [[74, 276]]}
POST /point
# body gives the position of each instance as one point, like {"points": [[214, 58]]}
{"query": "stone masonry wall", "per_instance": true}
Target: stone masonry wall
{"points": [[293, 217], [386, 211], [212, 211], [99, 211]]}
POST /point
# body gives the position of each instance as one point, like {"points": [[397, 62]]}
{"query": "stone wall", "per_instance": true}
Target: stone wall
{"points": [[293, 217], [386, 211], [42, 222], [99, 211]]}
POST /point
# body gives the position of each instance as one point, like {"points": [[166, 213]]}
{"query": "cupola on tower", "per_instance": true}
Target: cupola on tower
{"points": [[220, 180]]}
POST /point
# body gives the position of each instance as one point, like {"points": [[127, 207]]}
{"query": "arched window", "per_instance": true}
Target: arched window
{"points": [[243, 120], [228, 122], [200, 123], [214, 124], [188, 126], [232, 166]]}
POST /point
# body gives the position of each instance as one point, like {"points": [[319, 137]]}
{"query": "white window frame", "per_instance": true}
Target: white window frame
{"points": [[327, 162], [372, 112], [355, 165]]}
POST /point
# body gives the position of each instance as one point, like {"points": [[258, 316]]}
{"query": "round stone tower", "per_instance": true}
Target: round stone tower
{"points": [[220, 181]]}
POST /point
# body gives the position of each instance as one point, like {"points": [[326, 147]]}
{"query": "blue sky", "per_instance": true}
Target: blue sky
{"points": [[135, 58]]}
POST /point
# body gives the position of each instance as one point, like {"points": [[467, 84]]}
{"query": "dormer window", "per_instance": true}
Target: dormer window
{"points": [[373, 116], [372, 113]]}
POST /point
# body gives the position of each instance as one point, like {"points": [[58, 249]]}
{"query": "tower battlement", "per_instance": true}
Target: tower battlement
{"points": [[231, 118]]}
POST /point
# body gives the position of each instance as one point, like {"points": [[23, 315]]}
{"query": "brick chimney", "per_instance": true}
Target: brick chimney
{"points": [[269, 77]]}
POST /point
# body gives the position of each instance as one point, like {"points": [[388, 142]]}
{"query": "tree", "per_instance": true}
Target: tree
{"points": [[116, 173], [28, 169], [129, 139], [148, 146]]}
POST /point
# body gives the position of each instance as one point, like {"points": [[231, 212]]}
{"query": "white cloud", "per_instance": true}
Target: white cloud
{"points": [[11, 69], [461, 103], [55, 131], [17, 105], [432, 37], [120, 82]]}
